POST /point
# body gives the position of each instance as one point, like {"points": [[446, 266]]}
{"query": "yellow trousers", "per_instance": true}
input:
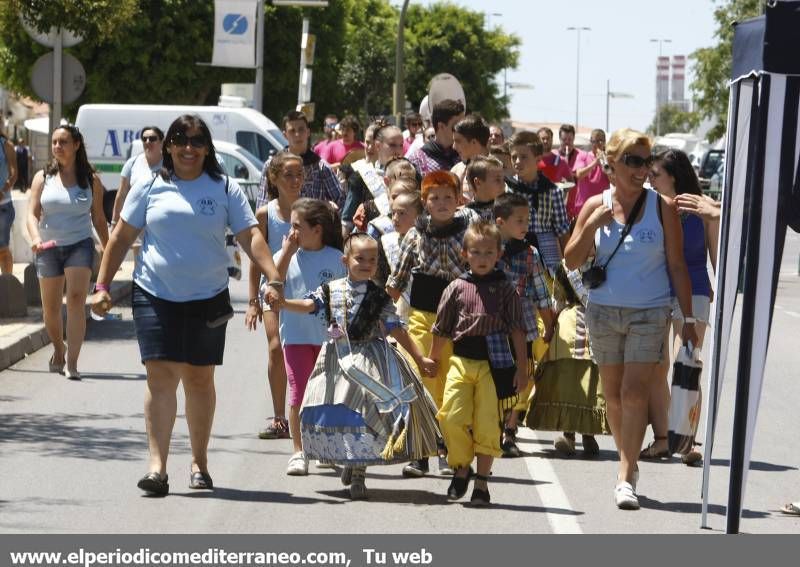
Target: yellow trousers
{"points": [[469, 416], [419, 329]]}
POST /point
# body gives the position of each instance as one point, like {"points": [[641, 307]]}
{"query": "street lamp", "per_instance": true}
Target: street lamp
{"points": [[609, 96], [660, 42], [578, 29], [399, 85]]}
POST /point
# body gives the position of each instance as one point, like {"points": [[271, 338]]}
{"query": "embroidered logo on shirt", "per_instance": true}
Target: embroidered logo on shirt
{"points": [[646, 236], [82, 196], [207, 206]]}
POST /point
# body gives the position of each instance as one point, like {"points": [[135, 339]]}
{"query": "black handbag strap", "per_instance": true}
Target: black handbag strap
{"points": [[628, 224]]}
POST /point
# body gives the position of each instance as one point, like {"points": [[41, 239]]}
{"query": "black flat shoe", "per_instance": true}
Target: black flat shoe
{"points": [[201, 481], [458, 487], [154, 484], [480, 497]]}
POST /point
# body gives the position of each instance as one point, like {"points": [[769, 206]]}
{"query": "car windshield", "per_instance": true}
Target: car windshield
{"points": [[252, 159]]}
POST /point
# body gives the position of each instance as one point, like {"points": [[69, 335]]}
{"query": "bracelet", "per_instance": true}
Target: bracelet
{"points": [[275, 283], [100, 287], [690, 320], [255, 301]]}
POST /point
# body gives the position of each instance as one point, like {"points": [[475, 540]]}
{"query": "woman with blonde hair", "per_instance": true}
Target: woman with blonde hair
{"points": [[635, 236]]}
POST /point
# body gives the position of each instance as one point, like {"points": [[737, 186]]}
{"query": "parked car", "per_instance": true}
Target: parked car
{"points": [[709, 165]]}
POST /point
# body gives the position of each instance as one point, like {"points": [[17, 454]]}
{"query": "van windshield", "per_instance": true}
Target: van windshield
{"points": [[258, 145]]}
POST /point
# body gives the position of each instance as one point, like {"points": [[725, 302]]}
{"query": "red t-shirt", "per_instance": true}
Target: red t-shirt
{"points": [[555, 167]]}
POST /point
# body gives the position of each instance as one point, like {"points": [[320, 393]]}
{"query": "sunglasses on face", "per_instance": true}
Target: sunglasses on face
{"points": [[198, 141], [151, 139], [635, 162]]}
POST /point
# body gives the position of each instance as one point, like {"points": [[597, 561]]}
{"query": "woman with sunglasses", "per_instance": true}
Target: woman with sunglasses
{"points": [[180, 292], [671, 175], [635, 237], [144, 165], [66, 200]]}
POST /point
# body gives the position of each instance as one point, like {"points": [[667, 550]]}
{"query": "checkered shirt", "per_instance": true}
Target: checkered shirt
{"points": [[526, 273], [499, 351], [551, 214]]}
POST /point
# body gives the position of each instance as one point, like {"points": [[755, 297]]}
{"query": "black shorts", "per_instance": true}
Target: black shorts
{"points": [[177, 331]]}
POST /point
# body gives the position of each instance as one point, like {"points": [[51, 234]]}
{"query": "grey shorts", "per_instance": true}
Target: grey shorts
{"points": [[7, 215], [619, 335], [50, 263]]}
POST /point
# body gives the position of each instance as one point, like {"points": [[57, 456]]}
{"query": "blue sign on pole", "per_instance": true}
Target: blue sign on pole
{"points": [[235, 24]]}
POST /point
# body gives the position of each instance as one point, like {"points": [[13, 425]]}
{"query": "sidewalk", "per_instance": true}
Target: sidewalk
{"points": [[20, 337]]}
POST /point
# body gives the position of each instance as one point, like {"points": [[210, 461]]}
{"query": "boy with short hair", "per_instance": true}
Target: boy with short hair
{"points": [[470, 139], [481, 311], [432, 251], [486, 182], [549, 225], [522, 265], [438, 154]]}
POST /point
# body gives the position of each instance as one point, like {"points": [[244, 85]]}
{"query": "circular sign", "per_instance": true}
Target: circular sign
{"points": [[48, 39], [445, 86], [73, 78]]}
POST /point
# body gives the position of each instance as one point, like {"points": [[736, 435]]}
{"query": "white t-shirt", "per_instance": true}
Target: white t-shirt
{"points": [[183, 248]]}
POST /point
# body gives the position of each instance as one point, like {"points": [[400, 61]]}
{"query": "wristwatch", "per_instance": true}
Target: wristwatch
{"points": [[254, 301], [690, 320]]}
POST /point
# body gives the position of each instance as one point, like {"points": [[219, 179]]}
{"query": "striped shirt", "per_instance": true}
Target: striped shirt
{"points": [[486, 306], [319, 181], [426, 253]]}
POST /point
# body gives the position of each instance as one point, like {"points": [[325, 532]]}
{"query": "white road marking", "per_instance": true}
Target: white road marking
{"points": [[792, 313], [551, 493]]}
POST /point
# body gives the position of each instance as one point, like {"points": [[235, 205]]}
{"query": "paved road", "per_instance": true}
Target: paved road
{"points": [[71, 454]]}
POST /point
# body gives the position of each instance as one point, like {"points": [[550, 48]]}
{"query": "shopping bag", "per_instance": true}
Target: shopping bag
{"points": [[684, 408], [234, 257]]}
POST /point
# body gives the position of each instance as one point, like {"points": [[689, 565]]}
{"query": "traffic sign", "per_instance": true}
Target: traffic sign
{"points": [[48, 39], [73, 78]]}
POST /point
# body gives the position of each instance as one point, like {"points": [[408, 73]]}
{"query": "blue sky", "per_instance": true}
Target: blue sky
{"points": [[617, 49]]}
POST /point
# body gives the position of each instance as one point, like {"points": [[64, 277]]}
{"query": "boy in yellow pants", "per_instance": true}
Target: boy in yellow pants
{"points": [[480, 310]]}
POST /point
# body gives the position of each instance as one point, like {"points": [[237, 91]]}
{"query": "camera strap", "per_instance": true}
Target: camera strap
{"points": [[628, 224]]}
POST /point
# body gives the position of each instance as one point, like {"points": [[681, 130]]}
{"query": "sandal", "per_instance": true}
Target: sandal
{"points": [[480, 497], [57, 367], [458, 486], [200, 480], [154, 484], [277, 428], [792, 508], [650, 452]]}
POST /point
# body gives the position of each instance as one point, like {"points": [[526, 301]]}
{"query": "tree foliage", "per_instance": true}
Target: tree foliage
{"points": [[146, 51], [713, 64], [672, 118]]}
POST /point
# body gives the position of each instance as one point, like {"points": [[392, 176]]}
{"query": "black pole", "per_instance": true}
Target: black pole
{"points": [[754, 194]]}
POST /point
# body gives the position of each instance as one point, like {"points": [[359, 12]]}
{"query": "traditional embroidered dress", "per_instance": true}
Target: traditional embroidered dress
{"points": [[568, 394], [364, 404]]}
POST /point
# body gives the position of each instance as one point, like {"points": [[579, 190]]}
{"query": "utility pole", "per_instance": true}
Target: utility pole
{"points": [[578, 29], [399, 83]]}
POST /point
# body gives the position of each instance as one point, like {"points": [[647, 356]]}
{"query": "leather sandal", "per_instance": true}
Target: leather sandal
{"points": [[458, 486], [480, 497], [509, 444], [650, 452], [154, 484], [200, 480]]}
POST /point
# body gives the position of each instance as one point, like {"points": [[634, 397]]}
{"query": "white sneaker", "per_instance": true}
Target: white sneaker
{"points": [[298, 465], [444, 468], [625, 497]]}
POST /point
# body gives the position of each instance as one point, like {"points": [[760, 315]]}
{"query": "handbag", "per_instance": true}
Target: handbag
{"points": [[234, 256], [685, 403]]}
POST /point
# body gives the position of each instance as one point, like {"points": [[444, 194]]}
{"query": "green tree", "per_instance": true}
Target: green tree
{"points": [[445, 38], [713, 64], [672, 119]]}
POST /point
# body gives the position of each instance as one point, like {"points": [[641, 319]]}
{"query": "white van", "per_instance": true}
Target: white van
{"points": [[110, 129]]}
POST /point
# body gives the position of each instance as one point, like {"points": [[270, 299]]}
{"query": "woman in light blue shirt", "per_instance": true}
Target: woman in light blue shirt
{"points": [[629, 300], [180, 295], [65, 201]]}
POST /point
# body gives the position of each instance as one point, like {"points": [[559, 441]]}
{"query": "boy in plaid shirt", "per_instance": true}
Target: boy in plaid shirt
{"points": [[482, 312], [523, 267]]}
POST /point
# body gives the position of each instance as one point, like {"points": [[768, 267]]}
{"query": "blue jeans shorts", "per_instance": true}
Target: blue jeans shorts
{"points": [[50, 263], [7, 215]]}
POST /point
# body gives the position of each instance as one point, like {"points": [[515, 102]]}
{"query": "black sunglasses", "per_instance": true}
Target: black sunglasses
{"points": [[150, 138], [198, 141], [635, 162]]}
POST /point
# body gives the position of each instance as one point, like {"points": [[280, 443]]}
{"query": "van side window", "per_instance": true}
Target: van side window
{"points": [[256, 144], [233, 166]]}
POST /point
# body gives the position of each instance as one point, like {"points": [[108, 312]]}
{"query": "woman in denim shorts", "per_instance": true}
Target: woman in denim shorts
{"points": [[672, 174], [180, 288], [8, 176], [630, 303], [65, 201]]}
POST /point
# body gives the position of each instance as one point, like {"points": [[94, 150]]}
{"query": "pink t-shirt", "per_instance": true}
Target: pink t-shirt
{"points": [[593, 183], [321, 148], [336, 150]]}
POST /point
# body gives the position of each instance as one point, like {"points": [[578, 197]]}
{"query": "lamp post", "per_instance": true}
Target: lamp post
{"points": [[609, 96], [578, 29], [660, 42], [399, 84]]}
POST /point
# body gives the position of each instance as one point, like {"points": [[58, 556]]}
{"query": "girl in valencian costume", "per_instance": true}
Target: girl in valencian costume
{"points": [[364, 404]]}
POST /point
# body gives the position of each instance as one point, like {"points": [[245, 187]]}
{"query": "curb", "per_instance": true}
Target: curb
{"points": [[36, 339]]}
